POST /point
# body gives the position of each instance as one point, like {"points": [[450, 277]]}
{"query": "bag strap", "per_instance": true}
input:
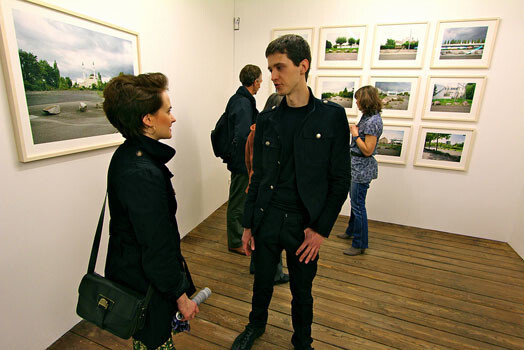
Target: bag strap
{"points": [[96, 246]]}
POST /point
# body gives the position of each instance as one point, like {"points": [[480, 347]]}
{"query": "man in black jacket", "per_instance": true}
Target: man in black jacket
{"points": [[242, 112], [301, 179]]}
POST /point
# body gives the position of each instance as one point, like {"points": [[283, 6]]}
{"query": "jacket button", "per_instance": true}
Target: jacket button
{"points": [[262, 209], [273, 107], [278, 162], [139, 153], [318, 136], [271, 187], [325, 101], [268, 143]]}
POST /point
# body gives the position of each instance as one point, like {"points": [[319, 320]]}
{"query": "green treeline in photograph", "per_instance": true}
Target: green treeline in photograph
{"points": [[443, 146]]}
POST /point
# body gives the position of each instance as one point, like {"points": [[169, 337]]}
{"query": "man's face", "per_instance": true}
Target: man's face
{"points": [[256, 84], [284, 74]]}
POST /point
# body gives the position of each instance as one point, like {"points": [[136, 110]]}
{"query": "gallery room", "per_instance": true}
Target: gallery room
{"points": [[444, 268]]}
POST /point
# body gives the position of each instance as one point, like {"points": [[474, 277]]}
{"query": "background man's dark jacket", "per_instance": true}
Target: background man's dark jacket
{"points": [[242, 113], [144, 242], [322, 163]]}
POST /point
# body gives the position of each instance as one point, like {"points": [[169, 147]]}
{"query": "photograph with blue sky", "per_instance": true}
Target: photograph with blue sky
{"points": [[337, 86], [393, 86], [393, 134], [71, 46], [465, 33]]}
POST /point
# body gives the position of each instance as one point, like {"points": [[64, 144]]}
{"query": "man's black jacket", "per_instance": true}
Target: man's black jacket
{"points": [[322, 163], [242, 112]]}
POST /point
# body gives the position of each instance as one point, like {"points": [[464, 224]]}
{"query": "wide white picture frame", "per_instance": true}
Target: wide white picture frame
{"points": [[468, 43], [393, 45], [454, 98], [394, 144], [339, 89], [308, 33], [444, 147], [348, 54], [399, 95]]}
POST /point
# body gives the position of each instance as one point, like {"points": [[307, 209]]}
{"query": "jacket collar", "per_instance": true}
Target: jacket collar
{"points": [[243, 91], [283, 105], [158, 151]]}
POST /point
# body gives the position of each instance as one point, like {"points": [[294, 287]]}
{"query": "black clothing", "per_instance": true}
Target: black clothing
{"points": [[144, 243], [301, 159], [322, 163], [285, 196], [242, 112]]}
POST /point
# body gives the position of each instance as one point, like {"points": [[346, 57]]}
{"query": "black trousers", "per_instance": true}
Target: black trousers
{"points": [[281, 230]]}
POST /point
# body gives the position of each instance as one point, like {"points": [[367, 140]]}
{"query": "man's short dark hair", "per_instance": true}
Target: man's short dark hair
{"points": [[128, 98], [249, 74], [294, 46]]}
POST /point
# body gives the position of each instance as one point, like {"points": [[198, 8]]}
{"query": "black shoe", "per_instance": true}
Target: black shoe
{"points": [[284, 278], [245, 340]]}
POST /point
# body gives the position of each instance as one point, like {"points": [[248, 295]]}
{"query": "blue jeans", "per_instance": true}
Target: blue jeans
{"points": [[358, 221]]}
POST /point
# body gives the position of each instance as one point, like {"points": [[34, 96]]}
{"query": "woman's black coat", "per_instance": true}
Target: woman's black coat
{"points": [[144, 243]]}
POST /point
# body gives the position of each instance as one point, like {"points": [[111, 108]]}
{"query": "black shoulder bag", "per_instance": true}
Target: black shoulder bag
{"points": [[107, 304]]}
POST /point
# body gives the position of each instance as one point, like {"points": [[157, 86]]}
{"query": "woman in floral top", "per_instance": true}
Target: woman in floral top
{"points": [[364, 137]]}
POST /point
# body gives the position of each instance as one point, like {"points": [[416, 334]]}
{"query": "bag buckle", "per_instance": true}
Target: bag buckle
{"points": [[104, 302]]}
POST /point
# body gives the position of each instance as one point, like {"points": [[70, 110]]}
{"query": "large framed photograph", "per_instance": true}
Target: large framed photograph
{"points": [[342, 47], [307, 33], [465, 44], [339, 89], [453, 98], [399, 45], [393, 145], [56, 65], [398, 95], [444, 147]]}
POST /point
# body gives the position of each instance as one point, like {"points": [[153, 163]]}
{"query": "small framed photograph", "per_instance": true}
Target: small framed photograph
{"points": [[307, 33], [56, 64], [399, 45], [444, 147], [454, 98], [393, 145], [465, 43], [342, 47], [398, 95], [339, 89]]}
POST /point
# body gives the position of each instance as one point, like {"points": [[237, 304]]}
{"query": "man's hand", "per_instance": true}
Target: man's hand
{"points": [[187, 307], [248, 241], [310, 246]]}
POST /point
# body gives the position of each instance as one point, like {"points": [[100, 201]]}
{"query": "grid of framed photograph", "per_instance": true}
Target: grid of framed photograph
{"points": [[398, 94], [464, 44], [342, 46], [399, 45], [393, 144], [58, 110], [444, 147], [306, 32], [339, 89], [453, 98]]}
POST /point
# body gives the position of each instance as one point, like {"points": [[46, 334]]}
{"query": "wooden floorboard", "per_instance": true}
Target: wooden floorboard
{"points": [[412, 289]]}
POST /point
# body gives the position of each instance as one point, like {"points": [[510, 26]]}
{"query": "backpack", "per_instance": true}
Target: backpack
{"points": [[220, 139]]}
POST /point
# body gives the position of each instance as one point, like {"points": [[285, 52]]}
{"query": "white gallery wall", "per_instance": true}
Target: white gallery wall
{"points": [[49, 208], [486, 201]]}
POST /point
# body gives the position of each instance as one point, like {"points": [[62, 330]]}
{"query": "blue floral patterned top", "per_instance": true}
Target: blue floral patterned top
{"points": [[364, 169]]}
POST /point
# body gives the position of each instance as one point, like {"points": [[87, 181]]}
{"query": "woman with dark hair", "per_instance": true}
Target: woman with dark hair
{"points": [[364, 137], [144, 243]]}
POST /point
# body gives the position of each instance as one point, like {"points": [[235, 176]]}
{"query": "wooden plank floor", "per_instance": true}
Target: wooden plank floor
{"points": [[413, 289]]}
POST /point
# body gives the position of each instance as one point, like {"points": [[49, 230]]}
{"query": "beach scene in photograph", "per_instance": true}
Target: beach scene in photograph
{"points": [[340, 92], [65, 69], [463, 43], [394, 95], [342, 45], [443, 147], [400, 42], [390, 143], [453, 97]]}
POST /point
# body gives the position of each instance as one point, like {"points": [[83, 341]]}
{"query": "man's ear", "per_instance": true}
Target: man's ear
{"points": [[304, 66]]}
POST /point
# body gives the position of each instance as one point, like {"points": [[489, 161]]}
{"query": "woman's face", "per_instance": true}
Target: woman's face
{"points": [[159, 123]]}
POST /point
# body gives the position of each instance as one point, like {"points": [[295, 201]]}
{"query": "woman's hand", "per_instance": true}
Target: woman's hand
{"points": [[187, 307], [353, 129]]}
